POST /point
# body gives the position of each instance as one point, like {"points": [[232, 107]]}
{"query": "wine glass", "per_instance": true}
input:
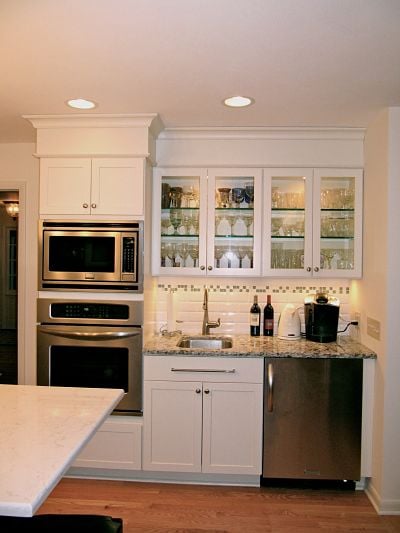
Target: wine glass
{"points": [[218, 253], [249, 253], [241, 252], [224, 196], [183, 250], [171, 252], [163, 253], [194, 253], [249, 194], [176, 219], [248, 220], [237, 196]]}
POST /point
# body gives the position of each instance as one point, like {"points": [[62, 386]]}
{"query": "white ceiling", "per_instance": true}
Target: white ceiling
{"points": [[306, 62]]}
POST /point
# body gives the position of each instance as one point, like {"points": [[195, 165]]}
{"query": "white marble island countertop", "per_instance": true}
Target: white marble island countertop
{"points": [[42, 430], [247, 346]]}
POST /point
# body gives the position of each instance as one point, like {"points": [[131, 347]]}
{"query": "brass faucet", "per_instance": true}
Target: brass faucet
{"points": [[206, 323]]}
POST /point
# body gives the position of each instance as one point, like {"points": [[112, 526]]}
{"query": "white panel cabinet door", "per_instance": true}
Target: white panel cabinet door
{"points": [[112, 187], [172, 426], [232, 422], [117, 187], [65, 186]]}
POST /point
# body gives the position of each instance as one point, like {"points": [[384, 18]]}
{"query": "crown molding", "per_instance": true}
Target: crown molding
{"points": [[80, 120], [262, 133]]}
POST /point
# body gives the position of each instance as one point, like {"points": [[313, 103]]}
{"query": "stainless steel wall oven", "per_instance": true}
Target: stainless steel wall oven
{"points": [[87, 255], [92, 344]]}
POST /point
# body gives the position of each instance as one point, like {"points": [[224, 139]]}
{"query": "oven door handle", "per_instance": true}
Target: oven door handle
{"points": [[87, 335]]}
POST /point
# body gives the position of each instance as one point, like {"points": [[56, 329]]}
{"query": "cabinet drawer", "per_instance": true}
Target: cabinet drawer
{"points": [[211, 369]]}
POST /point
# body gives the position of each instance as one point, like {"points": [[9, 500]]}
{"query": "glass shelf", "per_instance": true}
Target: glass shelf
{"points": [[183, 236], [233, 236], [169, 209], [338, 210], [290, 209], [287, 237], [337, 238]]}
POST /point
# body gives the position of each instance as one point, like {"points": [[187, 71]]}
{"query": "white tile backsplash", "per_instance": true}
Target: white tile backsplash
{"points": [[230, 300]]}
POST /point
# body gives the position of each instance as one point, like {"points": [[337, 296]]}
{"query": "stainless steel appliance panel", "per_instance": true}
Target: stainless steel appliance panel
{"points": [[312, 419], [92, 344]]}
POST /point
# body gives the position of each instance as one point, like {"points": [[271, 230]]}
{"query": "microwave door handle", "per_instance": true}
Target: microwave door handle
{"points": [[90, 336]]}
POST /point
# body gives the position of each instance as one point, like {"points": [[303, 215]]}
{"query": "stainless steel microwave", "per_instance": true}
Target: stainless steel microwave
{"points": [[83, 255]]}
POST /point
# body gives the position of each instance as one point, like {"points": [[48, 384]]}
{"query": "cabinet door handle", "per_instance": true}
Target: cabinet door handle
{"points": [[316, 269], [202, 267], [270, 394], [209, 267], [85, 205], [94, 206], [308, 269], [198, 391], [206, 391], [214, 370]]}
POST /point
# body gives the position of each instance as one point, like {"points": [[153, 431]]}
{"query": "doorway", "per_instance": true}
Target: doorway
{"points": [[9, 211]]}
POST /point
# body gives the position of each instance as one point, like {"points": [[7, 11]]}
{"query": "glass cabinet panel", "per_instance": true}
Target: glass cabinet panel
{"points": [[179, 200], [234, 199], [287, 227], [339, 219]]}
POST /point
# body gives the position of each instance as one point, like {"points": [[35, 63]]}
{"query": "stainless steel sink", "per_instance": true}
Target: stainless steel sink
{"points": [[209, 342]]}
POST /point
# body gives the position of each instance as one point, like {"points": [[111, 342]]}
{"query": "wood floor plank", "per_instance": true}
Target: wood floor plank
{"points": [[167, 508]]}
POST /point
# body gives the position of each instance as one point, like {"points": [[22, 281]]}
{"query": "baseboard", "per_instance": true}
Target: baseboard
{"points": [[382, 506], [165, 477]]}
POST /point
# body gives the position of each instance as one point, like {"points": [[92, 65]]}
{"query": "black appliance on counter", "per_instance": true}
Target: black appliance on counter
{"points": [[321, 316]]}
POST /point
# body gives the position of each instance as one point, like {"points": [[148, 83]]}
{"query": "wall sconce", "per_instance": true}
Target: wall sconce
{"points": [[12, 209]]}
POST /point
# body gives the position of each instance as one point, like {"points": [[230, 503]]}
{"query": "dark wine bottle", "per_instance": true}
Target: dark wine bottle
{"points": [[268, 318], [255, 318]]}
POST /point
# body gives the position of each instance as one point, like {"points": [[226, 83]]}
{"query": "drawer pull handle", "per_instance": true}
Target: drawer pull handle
{"points": [[214, 370]]}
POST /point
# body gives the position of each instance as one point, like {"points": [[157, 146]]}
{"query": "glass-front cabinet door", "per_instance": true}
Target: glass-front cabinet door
{"points": [[312, 223], [337, 226], [206, 222], [179, 221], [287, 228], [234, 222]]}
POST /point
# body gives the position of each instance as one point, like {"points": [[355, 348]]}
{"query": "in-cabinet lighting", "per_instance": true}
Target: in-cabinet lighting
{"points": [[81, 103], [238, 101]]}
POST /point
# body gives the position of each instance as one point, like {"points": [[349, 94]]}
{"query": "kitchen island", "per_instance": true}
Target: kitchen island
{"points": [[42, 431]]}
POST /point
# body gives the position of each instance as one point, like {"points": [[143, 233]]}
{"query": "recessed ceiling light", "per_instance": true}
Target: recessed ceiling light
{"points": [[81, 103], [238, 101]]}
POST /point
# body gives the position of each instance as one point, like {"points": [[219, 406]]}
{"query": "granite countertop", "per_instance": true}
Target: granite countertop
{"points": [[247, 346], [42, 431]]}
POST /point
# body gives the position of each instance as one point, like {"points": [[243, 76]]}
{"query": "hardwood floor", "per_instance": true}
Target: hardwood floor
{"points": [[161, 508]]}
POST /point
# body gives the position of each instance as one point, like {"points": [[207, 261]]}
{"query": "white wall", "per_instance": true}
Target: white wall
{"points": [[20, 170], [376, 295]]}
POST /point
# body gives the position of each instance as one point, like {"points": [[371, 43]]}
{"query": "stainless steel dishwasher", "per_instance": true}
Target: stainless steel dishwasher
{"points": [[312, 418]]}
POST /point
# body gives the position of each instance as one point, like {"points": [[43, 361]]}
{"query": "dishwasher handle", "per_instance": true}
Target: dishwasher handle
{"points": [[270, 388]]}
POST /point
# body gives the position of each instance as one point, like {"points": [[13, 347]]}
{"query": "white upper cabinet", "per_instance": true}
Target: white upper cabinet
{"points": [[95, 187], [312, 223], [207, 222]]}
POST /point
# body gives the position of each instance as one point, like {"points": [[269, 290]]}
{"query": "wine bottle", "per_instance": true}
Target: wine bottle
{"points": [[255, 318], [268, 318]]}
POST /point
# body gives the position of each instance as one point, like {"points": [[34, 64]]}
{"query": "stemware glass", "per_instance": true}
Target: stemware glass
{"points": [[249, 253], [187, 221], [165, 224], [176, 219], [163, 253], [238, 194], [241, 253], [171, 252], [194, 253], [249, 194], [248, 220], [224, 196], [218, 253], [183, 250]]}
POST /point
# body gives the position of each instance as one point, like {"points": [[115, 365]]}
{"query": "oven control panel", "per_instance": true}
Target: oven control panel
{"points": [[90, 310]]}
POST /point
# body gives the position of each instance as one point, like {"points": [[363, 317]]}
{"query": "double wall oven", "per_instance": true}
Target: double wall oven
{"points": [[93, 343]]}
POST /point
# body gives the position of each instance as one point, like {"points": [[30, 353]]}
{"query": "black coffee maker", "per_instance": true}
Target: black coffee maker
{"points": [[321, 316]]}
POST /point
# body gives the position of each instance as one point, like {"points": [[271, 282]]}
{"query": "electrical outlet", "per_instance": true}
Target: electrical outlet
{"points": [[357, 318]]}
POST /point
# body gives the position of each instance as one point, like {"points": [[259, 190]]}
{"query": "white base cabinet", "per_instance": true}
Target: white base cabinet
{"points": [[116, 445], [204, 416]]}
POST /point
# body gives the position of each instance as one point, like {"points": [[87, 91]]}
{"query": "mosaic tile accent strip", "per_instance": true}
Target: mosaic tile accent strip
{"points": [[265, 289]]}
